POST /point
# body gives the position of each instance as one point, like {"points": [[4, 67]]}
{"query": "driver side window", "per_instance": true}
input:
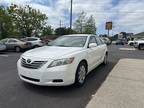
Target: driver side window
{"points": [[12, 41]]}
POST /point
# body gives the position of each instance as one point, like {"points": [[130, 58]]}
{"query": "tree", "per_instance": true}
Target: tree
{"points": [[90, 26], [80, 23], [85, 25], [6, 25], [71, 31], [27, 20], [64, 31], [61, 31], [47, 31]]}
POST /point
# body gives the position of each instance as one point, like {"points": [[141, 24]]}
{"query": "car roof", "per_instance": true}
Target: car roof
{"points": [[33, 37], [80, 35], [10, 38]]}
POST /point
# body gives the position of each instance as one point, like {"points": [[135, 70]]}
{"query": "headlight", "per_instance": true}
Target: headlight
{"points": [[60, 62]]}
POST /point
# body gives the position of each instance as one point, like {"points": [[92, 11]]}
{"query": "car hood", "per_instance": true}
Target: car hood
{"points": [[51, 52]]}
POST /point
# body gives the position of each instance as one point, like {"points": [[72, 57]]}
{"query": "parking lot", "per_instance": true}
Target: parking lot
{"points": [[16, 94]]}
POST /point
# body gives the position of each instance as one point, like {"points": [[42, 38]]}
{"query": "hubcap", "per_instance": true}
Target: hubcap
{"points": [[82, 74]]}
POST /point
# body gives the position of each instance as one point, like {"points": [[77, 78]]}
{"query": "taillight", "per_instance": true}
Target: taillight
{"points": [[42, 42], [25, 43]]}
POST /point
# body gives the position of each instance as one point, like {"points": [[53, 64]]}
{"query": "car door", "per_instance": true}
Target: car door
{"points": [[101, 48], [93, 54], [11, 44]]}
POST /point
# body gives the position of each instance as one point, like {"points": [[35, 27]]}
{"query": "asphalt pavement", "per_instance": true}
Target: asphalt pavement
{"points": [[16, 94]]}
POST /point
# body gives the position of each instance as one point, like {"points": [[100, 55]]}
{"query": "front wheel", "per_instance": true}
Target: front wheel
{"points": [[141, 47], [81, 74]]}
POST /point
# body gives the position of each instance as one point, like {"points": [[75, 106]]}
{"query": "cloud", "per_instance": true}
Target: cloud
{"points": [[127, 15]]}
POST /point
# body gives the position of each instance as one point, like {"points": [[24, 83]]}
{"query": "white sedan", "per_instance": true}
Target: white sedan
{"points": [[64, 61]]}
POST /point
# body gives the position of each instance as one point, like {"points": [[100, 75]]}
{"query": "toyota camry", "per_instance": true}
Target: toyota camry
{"points": [[64, 61]]}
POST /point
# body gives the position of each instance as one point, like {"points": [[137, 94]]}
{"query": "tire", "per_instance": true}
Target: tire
{"points": [[105, 59], [141, 47], [17, 49], [131, 44], [81, 74]]}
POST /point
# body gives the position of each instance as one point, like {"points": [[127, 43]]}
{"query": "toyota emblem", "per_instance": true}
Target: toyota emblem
{"points": [[29, 61]]}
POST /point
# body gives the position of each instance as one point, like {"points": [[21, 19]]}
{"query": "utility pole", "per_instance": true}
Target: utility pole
{"points": [[71, 10], [60, 24], [108, 33]]}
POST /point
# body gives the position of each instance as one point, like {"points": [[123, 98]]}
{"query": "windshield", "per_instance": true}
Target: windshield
{"points": [[69, 41]]}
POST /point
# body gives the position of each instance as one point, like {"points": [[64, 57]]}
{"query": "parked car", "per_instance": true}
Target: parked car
{"points": [[106, 40], [120, 42], [46, 41], [35, 41], [139, 44], [15, 44], [65, 61], [2, 47], [131, 43]]}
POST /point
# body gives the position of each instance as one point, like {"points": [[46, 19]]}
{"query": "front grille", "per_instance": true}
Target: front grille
{"points": [[33, 65]]}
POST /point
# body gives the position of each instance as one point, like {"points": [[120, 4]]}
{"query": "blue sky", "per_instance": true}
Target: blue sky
{"points": [[126, 15]]}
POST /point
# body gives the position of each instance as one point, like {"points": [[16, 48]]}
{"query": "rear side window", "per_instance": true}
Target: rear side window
{"points": [[99, 41], [4, 41], [31, 39], [92, 40]]}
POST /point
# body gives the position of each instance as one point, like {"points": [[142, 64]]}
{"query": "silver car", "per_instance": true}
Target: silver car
{"points": [[15, 44]]}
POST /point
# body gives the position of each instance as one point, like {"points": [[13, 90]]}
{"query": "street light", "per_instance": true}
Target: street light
{"points": [[71, 14]]}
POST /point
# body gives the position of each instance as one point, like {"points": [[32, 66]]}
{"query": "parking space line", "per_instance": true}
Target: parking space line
{"points": [[127, 49], [3, 55]]}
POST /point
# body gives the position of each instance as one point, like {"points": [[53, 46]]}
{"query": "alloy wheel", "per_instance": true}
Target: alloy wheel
{"points": [[81, 74]]}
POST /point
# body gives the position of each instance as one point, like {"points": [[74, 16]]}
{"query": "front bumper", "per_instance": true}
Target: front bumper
{"points": [[56, 76]]}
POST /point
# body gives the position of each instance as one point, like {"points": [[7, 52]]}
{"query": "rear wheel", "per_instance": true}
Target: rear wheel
{"points": [[81, 74], [17, 49], [105, 59]]}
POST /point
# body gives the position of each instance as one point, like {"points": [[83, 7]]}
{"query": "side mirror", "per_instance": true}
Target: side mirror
{"points": [[92, 45]]}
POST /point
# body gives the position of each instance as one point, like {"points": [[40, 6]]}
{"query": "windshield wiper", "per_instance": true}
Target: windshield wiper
{"points": [[61, 45]]}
